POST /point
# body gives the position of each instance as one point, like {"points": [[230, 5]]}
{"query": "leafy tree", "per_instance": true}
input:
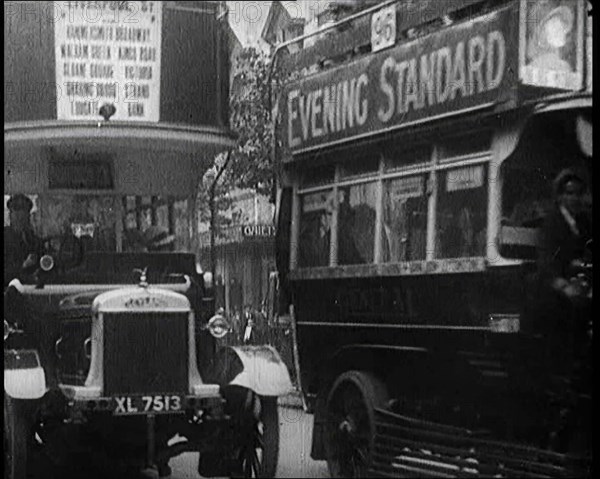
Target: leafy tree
{"points": [[250, 163]]}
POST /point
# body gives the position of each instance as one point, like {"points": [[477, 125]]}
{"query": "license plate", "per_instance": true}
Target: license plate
{"points": [[151, 404]]}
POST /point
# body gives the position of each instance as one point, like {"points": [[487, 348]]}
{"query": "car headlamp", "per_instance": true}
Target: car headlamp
{"points": [[218, 326], [46, 262]]}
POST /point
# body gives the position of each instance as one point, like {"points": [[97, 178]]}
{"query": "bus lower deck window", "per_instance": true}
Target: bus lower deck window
{"points": [[462, 213], [356, 237], [315, 229], [404, 219]]}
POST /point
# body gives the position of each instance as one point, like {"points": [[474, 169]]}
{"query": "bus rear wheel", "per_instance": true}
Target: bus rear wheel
{"points": [[350, 426]]}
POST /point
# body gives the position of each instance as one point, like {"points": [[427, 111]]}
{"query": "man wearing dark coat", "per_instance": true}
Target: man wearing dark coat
{"points": [[565, 234], [564, 308], [22, 247]]}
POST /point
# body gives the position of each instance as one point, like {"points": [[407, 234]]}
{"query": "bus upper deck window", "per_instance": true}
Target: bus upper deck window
{"points": [[461, 215]]}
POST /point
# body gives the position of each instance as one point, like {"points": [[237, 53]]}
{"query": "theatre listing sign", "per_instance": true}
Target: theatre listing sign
{"points": [[108, 54], [463, 67]]}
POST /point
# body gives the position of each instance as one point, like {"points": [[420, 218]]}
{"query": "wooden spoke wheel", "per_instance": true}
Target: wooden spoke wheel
{"points": [[257, 431], [350, 427]]}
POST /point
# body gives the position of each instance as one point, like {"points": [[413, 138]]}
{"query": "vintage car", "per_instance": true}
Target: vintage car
{"points": [[110, 356]]}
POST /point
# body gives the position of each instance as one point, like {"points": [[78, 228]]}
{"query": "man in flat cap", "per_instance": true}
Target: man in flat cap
{"points": [[22, 248]]}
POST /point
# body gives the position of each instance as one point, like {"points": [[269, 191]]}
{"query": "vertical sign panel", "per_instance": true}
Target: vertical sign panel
{"points": [[108, 54], [552, 50]]}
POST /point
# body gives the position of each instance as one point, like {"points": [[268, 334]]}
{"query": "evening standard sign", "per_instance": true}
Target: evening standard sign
{"points": [[465, 67], [108, 53]]}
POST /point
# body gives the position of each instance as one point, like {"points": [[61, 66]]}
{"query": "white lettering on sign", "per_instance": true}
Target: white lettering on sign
{"points": [[406, 188], [464, 178], [330, 109], [145, 302], [383, 28], [394, 85], [471, 67], [258, 230], [108, 56]]}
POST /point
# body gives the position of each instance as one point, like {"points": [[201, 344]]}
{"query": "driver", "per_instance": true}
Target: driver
{"points": [[22, 248]]}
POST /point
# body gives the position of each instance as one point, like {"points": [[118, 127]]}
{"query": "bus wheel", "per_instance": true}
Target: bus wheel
{"points": [[350, 426], [16, 439], [258, 451]]}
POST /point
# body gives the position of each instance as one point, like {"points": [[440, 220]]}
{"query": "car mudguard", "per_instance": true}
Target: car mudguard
{"points": [[24, 376], [263, 371]]}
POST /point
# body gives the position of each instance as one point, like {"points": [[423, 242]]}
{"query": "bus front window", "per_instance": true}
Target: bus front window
{"points": [[546, 148], [91, 216], [108, 223]]}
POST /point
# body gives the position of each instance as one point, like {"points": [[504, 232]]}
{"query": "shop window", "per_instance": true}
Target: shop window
{"points": [[404, 219], [461, 214], [356, 223], [315, 229]]}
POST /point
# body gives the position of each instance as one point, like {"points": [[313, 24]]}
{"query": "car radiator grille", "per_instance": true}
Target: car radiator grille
{"points": [[145, 353]]}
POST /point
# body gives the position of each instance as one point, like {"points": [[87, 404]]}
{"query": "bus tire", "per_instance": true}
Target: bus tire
{"points": [[350, 423], [16, 439]]}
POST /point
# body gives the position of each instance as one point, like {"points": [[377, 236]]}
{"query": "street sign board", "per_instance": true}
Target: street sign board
{"points": [[108, 53], [383, 28], [258, 231], [464, 67]]}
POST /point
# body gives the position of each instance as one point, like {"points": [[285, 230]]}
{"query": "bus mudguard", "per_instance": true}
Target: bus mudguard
{"points": [[24, 376], [263, 371]]}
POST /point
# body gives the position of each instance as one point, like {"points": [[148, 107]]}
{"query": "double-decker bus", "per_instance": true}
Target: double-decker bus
{"points": [[113, 113], [418, 143]]}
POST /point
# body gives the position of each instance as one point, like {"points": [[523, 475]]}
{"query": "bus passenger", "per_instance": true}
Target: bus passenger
{"points": [[22, 248]]}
